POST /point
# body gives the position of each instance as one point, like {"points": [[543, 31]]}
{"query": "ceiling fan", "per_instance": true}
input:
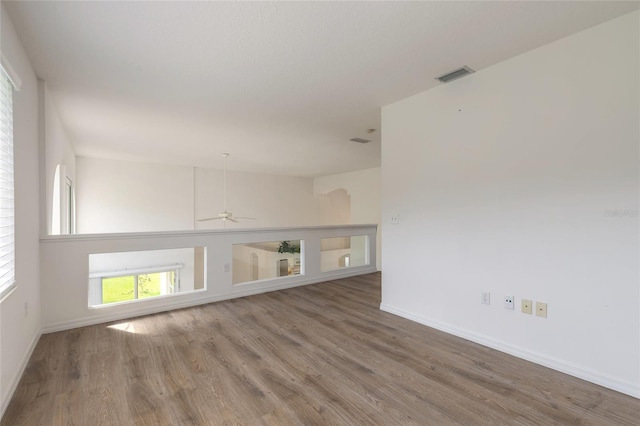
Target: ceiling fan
{"points": [[225, 215]]}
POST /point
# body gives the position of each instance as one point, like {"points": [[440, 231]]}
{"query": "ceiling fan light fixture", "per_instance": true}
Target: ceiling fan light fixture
{"points": [[225, 215]]}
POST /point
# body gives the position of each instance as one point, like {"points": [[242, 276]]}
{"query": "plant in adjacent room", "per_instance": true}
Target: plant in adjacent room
{"points": [[288, 247]]}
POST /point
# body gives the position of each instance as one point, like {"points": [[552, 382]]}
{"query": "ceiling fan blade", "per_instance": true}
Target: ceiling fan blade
{"points": [[208, 219], [244, 217], [232, 220]]}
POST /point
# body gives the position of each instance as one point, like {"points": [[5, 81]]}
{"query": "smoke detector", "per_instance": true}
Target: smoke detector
{"points": [[455, 74]]}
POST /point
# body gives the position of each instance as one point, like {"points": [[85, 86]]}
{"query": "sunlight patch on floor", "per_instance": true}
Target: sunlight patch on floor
{"points": [[127, 327]]}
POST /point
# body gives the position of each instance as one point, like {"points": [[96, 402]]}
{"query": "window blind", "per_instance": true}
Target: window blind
{"points": [[7, 235]]}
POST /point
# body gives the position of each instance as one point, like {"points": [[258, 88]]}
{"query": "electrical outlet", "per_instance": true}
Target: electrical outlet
{"points": [[227, 267], [395, 219], [525, 306], [508, 302], [541, 309], [485, 298]]}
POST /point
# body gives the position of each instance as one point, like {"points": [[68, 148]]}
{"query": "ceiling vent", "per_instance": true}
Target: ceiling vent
{"points": [[360, 140], [455, 74]]}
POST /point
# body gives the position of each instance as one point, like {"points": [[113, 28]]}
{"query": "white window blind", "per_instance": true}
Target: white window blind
{"points": [[7, 257]]}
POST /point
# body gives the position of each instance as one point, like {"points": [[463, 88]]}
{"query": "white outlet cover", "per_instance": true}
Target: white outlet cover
{"points": [[485, 298], [508, 302]]}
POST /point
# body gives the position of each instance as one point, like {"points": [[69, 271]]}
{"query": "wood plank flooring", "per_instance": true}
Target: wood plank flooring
{"points": [[319, 354]]}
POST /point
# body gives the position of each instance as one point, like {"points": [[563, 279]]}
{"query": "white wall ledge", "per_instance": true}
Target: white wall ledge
{"points": [[207, 232], [64, 265]]}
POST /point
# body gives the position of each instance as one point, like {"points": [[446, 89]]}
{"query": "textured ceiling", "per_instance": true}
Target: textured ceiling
{"points": [[281, 86]]}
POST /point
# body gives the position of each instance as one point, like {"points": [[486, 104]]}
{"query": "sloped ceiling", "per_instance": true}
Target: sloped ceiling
{"points": [[281, 86]]}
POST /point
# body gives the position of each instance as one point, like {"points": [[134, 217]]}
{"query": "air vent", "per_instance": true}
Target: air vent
{"points": [[360, 140], [455, 74]]}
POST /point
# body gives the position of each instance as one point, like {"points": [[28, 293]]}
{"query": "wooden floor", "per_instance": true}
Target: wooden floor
{"points": [[319, 354]]}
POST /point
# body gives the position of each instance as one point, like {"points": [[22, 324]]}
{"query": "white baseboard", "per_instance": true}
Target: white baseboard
{"points": [[614, 383], [172, 303], [17, 374]]}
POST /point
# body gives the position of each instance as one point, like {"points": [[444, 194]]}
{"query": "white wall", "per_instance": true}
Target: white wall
{"points": [[58, 151], [19, 333], [502, 182], [123, 196], [274, 201], [364, 188]]}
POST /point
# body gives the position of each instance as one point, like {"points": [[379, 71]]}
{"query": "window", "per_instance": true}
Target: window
{"points": [[139, 286], [7, 237], [138, 276], [123, 286], [70, 213], [63, 207]]}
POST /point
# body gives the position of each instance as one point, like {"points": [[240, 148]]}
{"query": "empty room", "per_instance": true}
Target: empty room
{"points": [[344, 213]]}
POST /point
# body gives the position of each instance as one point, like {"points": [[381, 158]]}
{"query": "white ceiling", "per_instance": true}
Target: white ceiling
{"points": [[281, 86]]}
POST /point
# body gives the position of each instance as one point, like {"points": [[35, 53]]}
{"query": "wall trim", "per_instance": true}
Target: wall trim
{"points": [[19, 372], [173, 304], [581, 372], [190, 233]]}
